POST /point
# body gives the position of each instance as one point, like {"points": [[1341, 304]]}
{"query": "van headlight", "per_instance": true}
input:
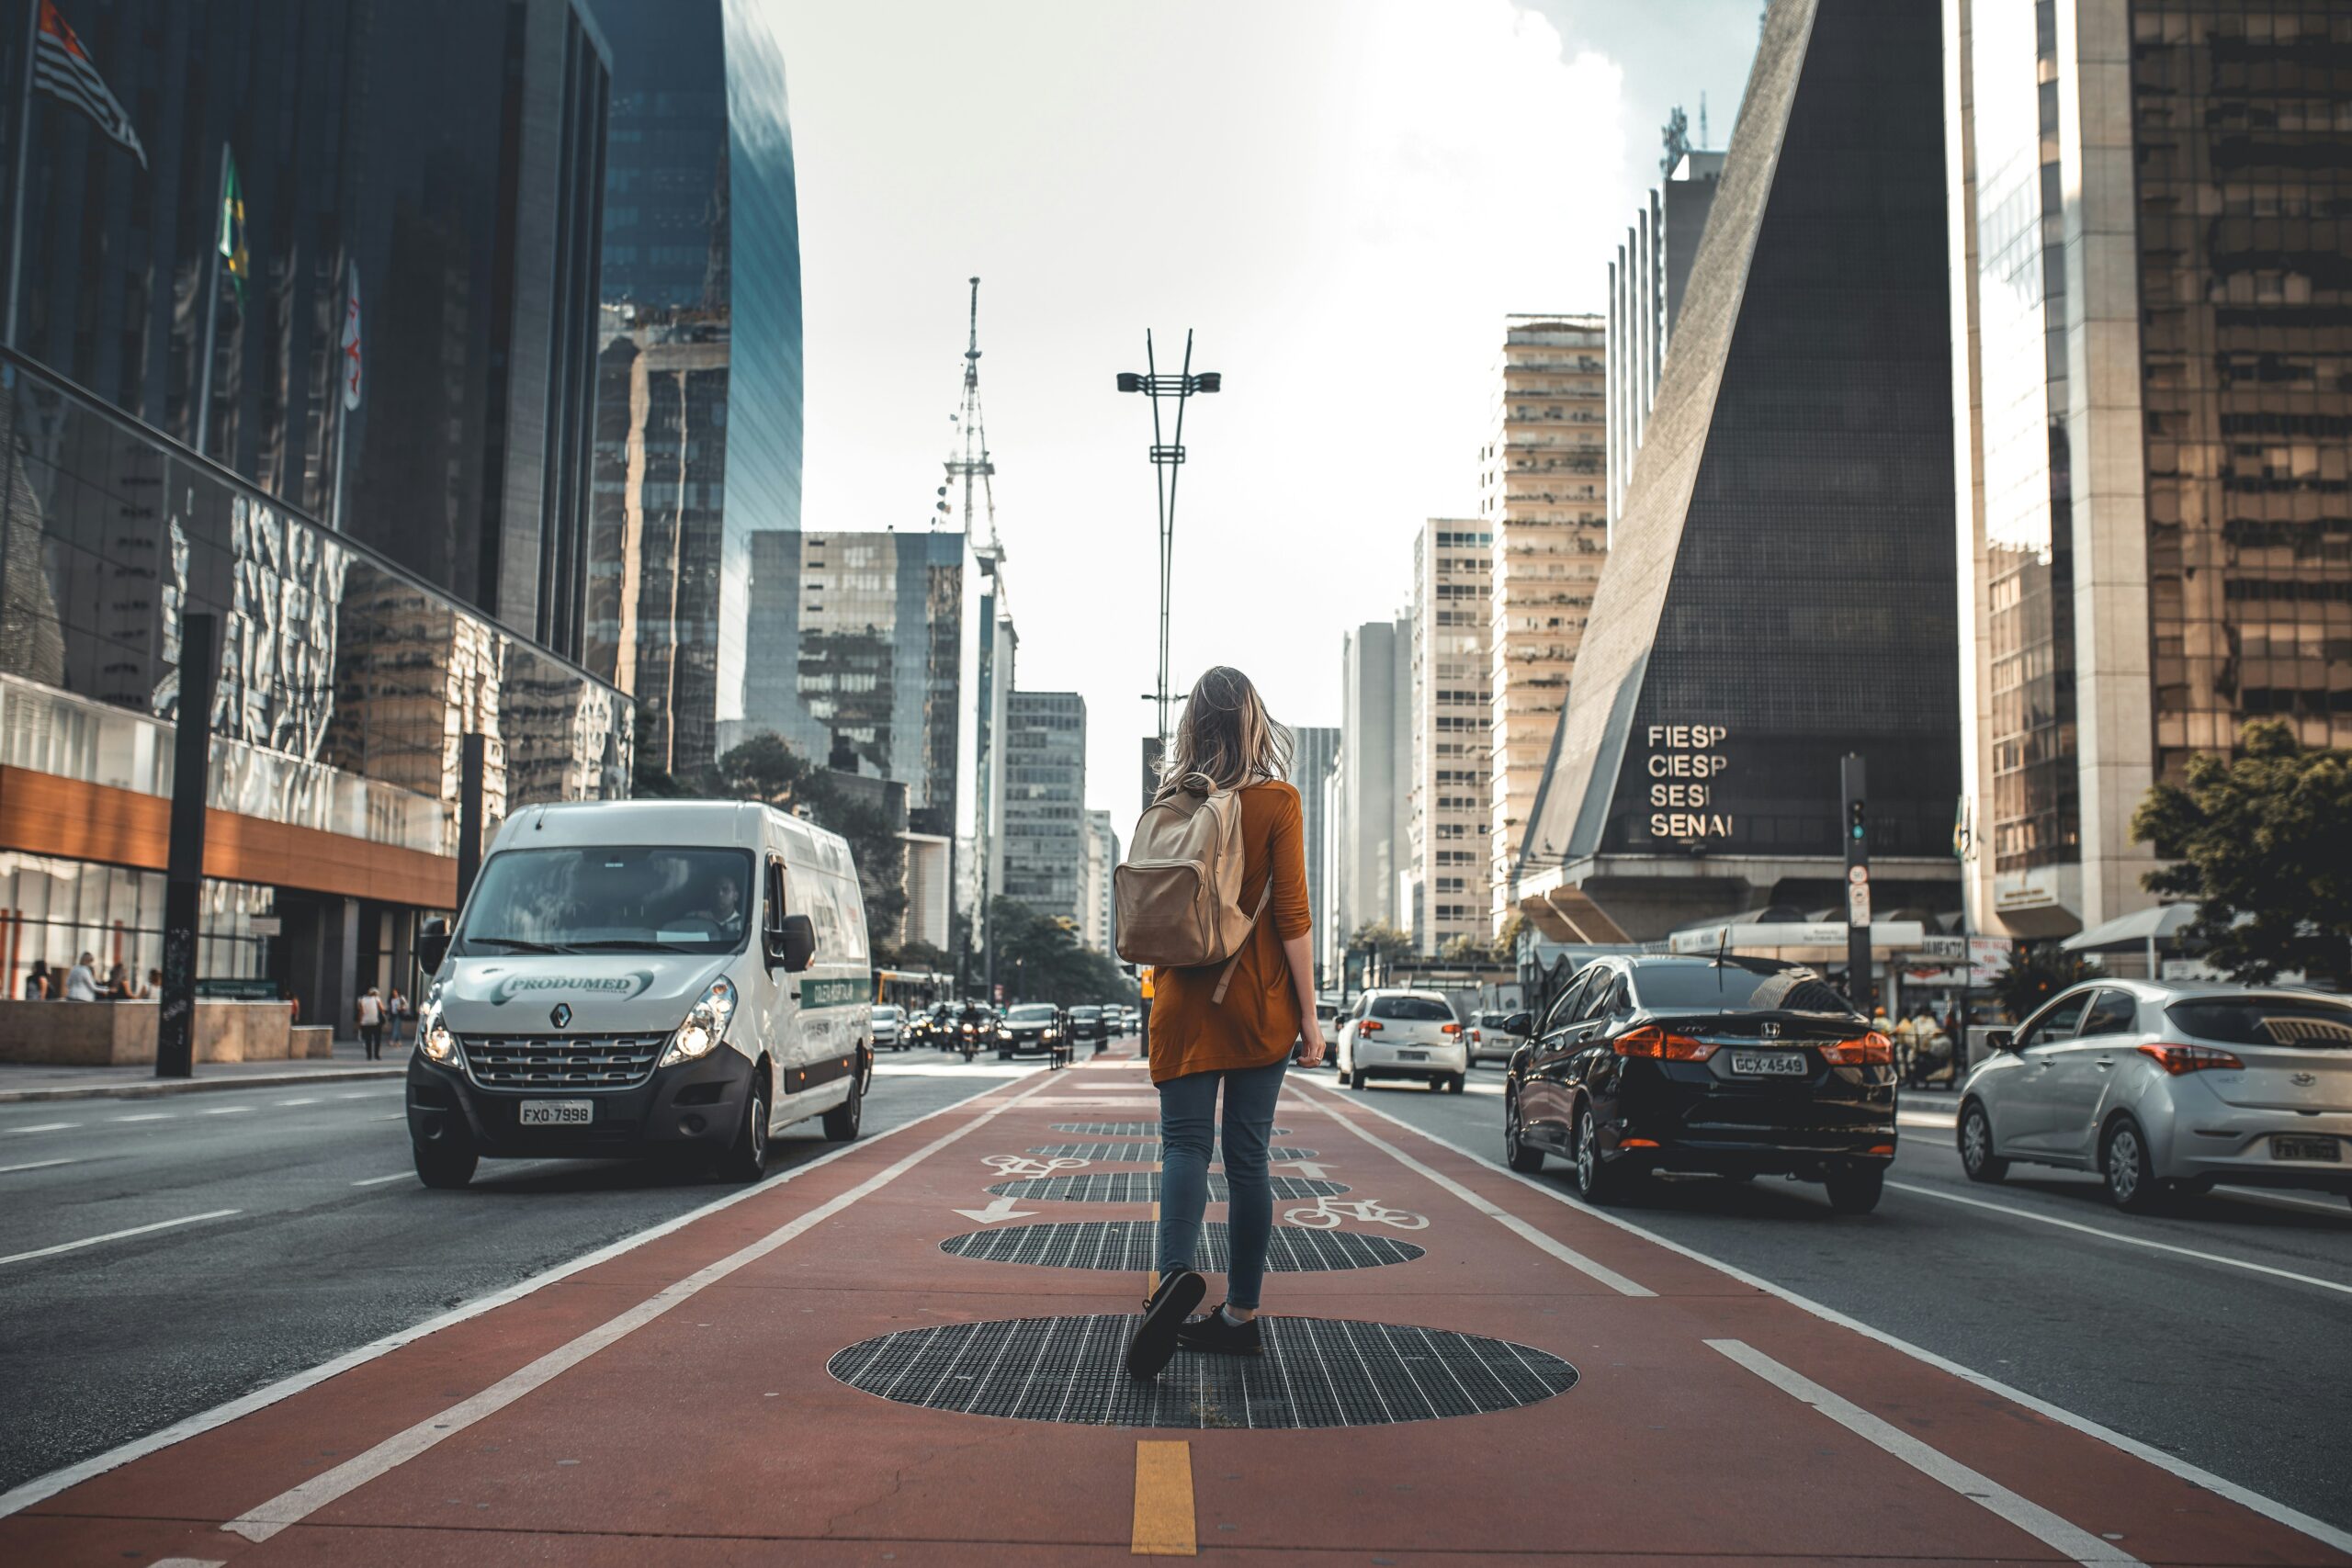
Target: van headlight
{"points": [[433, 1037], [705, 1024]]}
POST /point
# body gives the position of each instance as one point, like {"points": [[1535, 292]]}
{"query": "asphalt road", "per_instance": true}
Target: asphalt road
{"points": [[291, 1229], [2245, 1373]]}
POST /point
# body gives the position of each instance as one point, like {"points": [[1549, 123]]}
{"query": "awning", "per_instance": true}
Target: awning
{"points": [[2157, 923]]}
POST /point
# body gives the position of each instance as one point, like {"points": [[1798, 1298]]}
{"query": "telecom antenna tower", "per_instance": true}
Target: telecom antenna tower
{"points": [[970, 465]]}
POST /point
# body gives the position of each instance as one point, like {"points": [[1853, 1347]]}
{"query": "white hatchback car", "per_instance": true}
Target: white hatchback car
{"points": [[2163, 1088], [1403, 1034]]}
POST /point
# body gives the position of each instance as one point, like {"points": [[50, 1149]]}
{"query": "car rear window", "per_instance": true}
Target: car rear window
{"points": [[1734, 985], [2313, 1023], [1041, 1013], [1412, 1009]]}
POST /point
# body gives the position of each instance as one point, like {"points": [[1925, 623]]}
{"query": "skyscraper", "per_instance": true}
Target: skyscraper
{"points": [[701, 251], [1315, 752], [2148, 283], [1777, 592], [1540, 482], [1645, 285], [1375, 774], [1044, 805], [1446, 803], [1102, 860], [444, 161]]}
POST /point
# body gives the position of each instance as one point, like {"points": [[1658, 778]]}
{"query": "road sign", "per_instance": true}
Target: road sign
{"points": [[1952, 947], [1858, 900], [1857, 874]]}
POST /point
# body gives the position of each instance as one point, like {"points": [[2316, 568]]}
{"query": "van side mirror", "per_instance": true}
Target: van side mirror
{"points": [[795, 946], [1520, 1025], [432, 945]]}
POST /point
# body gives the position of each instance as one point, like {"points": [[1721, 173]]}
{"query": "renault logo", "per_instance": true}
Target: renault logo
{"points": [[560, 1015]]}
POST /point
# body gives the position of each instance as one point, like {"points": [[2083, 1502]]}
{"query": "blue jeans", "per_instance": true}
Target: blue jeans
{"points": [[1187, 1130]]}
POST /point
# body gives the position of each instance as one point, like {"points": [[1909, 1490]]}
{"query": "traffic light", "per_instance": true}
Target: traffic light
{"points": [[1856, 829]]}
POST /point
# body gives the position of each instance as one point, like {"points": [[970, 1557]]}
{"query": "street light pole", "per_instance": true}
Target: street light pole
{"points": [[1167, 458]]}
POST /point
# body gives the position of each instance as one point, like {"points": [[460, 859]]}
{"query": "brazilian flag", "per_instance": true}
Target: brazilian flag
{"points": [[232, 226]]}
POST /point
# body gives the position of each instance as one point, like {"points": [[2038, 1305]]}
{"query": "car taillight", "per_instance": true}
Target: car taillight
{"points": [[1656, 1044], [2180, 1059], [1872, 1050], [1450, 1029], [1369, 1026]]}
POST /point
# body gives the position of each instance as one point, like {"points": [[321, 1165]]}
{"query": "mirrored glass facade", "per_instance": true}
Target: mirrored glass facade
{"points": [[1044, 805]]}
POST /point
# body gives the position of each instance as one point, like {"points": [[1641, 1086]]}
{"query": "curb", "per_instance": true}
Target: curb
{"points": [[156, 1087]]}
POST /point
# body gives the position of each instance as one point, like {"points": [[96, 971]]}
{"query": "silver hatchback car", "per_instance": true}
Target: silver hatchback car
{"points": [[2162, 1087]]}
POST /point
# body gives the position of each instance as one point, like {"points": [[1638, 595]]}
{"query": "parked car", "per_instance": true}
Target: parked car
{"points": [[2165, 1088], [1487, 1039], [889, 1027], [1086, 1024], [1733, 1066], [1030, 1027], [1404, 1034]]}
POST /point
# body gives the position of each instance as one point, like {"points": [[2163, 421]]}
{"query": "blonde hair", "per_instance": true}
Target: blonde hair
{"points": [[1225, 739]]}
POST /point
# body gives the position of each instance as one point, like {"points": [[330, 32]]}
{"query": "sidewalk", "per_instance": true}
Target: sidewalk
{"points": [[20, 1082], [909, 1350]]}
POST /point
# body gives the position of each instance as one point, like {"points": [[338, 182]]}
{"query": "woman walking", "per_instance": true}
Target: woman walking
{"points": [[1201, 1044]]}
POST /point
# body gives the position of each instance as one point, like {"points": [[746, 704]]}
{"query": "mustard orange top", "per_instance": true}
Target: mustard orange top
{"points": [[1257, 1021]]}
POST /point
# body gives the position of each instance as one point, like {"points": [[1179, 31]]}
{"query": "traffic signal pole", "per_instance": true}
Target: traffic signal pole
{"points": [[1854, 786]]}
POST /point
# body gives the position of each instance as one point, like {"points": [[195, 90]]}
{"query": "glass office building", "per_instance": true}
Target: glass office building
{"points": [[1045, 806], [699, 419], [443, 159], [1779, 589], [2148, 268]]}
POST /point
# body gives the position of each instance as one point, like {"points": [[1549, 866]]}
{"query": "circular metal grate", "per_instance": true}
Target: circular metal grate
{"points": [[1130, 1247], [1142, 1186], [1315, 1373], [1132, 1153], [1128, 1129]]}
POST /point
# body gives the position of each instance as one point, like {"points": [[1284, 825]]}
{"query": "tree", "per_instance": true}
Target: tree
{"points": [[2263, 841], [1039, 959], [767, 769], [1380, 937], [2037, 972]]}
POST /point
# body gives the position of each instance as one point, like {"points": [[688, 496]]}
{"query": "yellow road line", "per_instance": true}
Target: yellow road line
{"points": [[1164, 1501]]}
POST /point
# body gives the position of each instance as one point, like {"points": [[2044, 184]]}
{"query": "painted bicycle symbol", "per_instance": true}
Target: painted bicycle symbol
{"points": [[1326, 1213], [1017, 1165]]}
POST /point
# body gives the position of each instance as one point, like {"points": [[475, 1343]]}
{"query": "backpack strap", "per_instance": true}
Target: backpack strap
{"points": [[1225, 976]]}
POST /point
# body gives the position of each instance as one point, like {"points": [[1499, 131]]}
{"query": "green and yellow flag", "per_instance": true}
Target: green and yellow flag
{"points": [[232, 225]]}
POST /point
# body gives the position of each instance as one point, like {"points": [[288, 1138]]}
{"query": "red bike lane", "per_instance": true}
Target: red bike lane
{"points": [[795, 1378]]}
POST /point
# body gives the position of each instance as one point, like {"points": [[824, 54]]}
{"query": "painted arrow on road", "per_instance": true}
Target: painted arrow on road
{"points": [[1001, 1208], [1306, 1168]]}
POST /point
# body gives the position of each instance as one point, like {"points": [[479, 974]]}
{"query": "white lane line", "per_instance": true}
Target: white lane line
{"points": [[379, 1181], [297, 1502], [2172, 1464], [117, 1235], [224, 1111], [2104, 1235], [144, 1116], [2258, 1195], [47, 1127], [35, 1165], [1982, 1490], [188, 1562], [42, 1487], [1503, 1217], [310, 1100]]}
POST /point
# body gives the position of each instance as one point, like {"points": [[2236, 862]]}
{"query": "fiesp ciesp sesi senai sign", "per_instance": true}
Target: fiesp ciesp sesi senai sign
{"points": [[1685, 762]]}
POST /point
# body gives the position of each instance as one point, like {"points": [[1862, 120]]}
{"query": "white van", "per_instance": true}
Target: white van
{"points": [[634, 976]]}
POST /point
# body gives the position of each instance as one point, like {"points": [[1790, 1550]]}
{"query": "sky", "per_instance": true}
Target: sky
{"points": [[1342, 199]]}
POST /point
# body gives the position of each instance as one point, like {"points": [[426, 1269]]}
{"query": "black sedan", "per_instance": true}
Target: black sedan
{"points": [[1032, 1026], [1086, 1024], [1733, 1066]]}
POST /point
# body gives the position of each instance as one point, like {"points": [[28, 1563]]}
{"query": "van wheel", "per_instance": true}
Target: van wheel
{"points": [[447, 1164], [746, 1159], [842, 1121]]}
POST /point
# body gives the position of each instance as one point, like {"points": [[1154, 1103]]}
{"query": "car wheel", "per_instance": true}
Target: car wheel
{"points": [[746, 1159], [1855, 1188], [2131, 1184], [1355, 1077], [1517, 1155], [842, 1121], [446, 1165], [1596, 1181], [1457, 1082], [1975, 1135]]}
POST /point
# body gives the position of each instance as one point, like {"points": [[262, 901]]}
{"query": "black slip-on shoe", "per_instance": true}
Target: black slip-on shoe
{"points": [[1220, 1336], [1153, 1343]]}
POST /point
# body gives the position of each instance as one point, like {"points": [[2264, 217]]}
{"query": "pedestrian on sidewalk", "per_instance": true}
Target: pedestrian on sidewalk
{"points": [[370, 1008], [37, 981], [1200, 1044], [396, 1010], [81, 980]]}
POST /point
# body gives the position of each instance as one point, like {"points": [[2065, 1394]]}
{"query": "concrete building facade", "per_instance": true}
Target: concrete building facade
{"points": [[1645, 285], [1315, 752], [1447, 817], [1540, 494], [1374, 777], [1102, 858]]}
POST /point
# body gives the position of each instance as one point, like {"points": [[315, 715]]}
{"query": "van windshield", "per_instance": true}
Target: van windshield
{"points": [[648, 898]]}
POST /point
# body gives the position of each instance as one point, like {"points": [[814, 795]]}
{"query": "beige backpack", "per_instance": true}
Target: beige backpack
{"points": [[1179, 891]]}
